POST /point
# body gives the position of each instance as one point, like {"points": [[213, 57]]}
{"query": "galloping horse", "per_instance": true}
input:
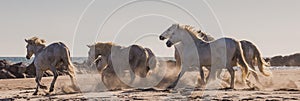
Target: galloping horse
{"points": [[49, 57], [251, 52], [224, 52], [134, 57]]}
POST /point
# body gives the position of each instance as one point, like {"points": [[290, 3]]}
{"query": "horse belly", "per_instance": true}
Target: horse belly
{"points": [[41, 66], [204, 55]]}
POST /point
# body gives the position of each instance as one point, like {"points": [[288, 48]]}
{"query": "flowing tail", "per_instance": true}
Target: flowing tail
{"points": [[70, 66], [242, 62], [260, 61]]}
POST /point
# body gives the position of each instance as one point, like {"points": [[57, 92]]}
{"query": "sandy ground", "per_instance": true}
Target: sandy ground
{"points": [[283, 85]]}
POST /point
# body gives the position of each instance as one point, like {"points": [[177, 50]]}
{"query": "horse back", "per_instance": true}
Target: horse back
{"points": [[55, 51], [246, 44], [225, 41], [54, 48], [225, 47]]}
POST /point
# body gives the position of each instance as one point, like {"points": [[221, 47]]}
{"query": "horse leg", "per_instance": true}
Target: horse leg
{"points": [[219, 74], [176, 81], [202, 76], [38, 78], [71, 73], [256, 77], [249, 84], [212, 74], [132, 77], [253, 73], [232, 75], [54, 71]]}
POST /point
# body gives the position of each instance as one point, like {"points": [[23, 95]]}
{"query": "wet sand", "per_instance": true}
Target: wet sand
{"points": [[283, 85]]}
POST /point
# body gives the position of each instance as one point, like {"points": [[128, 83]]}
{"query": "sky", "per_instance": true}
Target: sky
{"points": [[272, 25]]}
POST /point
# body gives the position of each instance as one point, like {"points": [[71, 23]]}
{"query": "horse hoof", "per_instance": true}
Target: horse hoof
{"points": [[51, 90], [47, 94], [227, 88], [35, 93], [43, 87], [170, 87]]}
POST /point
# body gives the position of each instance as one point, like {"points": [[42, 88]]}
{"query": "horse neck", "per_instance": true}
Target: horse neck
{"points": [[188, 35], [38, 49]]}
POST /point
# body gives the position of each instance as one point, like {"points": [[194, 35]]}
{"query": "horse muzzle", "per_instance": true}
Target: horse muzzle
{"points": [[169, 43], [161, 38]]}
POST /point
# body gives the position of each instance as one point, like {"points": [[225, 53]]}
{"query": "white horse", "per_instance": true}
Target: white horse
{"points": [[178, 47], [251, 52], [49, 57], [224, 52]]}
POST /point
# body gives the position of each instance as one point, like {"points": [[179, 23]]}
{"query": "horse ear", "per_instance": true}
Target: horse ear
{"points": [[26, 40]]}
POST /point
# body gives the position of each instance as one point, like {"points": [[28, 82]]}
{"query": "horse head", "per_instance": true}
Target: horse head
{"points": [[183, 33], [175, 35], [167, 34], [92, 54], [103, 49], [34, 44]]}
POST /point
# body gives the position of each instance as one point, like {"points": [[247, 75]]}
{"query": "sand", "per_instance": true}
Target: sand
{"points": [[283, 85]]}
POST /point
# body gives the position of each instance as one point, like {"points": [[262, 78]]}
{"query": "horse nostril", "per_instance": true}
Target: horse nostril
{"points": [[162, 38], [169, 43]]}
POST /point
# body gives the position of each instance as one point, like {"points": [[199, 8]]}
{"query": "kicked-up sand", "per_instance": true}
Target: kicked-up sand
{"points": [[283, 85]]}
